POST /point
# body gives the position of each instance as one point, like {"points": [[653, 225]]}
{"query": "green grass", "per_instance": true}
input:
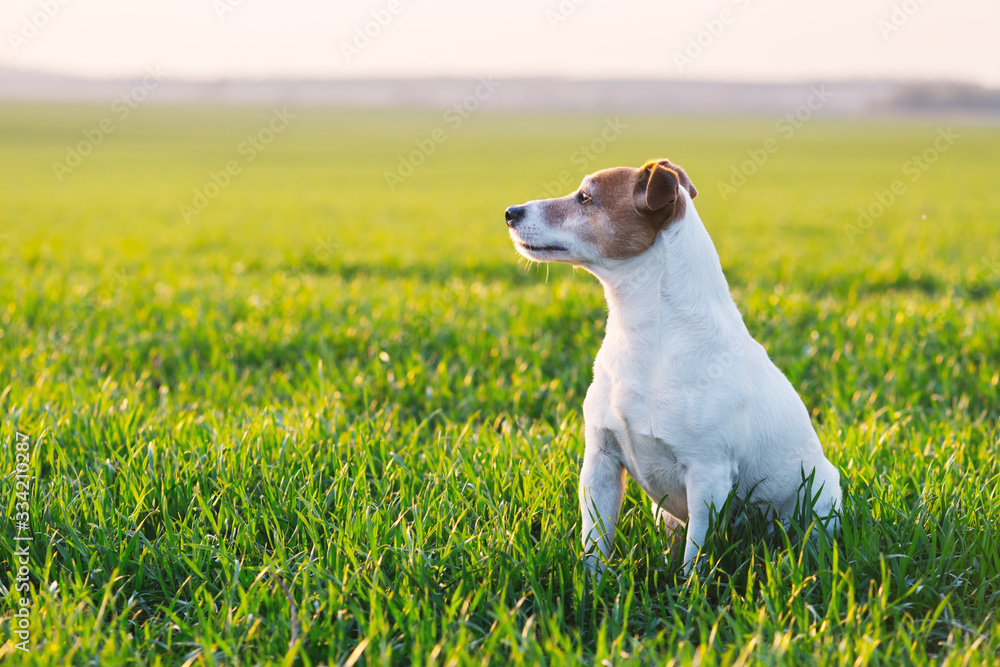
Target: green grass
{"points": [[327, 423]]}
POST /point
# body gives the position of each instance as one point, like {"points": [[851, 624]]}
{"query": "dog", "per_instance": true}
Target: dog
{"points": [[683, 399]]}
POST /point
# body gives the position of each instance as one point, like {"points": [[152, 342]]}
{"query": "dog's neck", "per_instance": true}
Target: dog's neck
{"points": [[678, 280]]}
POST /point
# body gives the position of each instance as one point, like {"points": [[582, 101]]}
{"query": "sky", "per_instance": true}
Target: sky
{"points": [[730, 40]]}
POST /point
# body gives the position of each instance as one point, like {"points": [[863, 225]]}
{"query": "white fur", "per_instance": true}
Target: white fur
{"points": [[683, 398]]}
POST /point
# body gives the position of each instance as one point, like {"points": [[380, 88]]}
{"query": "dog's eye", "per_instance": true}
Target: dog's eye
{"points": [[583, 197]]}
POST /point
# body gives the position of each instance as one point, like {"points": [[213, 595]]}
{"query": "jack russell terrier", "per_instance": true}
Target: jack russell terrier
{"points": [[683, 398]]}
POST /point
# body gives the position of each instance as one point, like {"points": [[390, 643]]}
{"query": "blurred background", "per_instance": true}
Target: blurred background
{"points": [[730, 56]]}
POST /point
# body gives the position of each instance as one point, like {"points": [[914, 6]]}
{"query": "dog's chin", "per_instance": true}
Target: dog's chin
{"points": [[542, 253]]}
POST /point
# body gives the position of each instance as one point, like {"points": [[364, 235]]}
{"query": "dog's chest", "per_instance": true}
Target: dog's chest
{"points": [[637, 384], [630, 398]]}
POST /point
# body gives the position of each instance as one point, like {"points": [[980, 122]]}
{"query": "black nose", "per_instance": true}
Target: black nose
{"points": [[514, 215]]}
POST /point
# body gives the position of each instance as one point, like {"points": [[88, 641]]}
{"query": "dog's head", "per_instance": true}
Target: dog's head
{"points": [[615, 214]]}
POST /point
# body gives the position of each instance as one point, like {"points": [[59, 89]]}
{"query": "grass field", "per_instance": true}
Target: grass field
{"points": [[322, 422]]}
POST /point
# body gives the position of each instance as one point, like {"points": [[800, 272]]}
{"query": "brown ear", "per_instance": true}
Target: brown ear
{"points": [[661, 187], [657, 193], [681, 175]]}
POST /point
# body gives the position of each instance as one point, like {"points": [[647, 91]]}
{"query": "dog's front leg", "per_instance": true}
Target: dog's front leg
{"points": [[602, 485], [706, 488]]}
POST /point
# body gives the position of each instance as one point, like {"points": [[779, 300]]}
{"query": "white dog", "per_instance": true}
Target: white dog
{"points": [[683, 398]]}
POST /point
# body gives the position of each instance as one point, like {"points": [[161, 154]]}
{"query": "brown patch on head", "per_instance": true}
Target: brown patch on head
{"points": [[624, 208]]}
